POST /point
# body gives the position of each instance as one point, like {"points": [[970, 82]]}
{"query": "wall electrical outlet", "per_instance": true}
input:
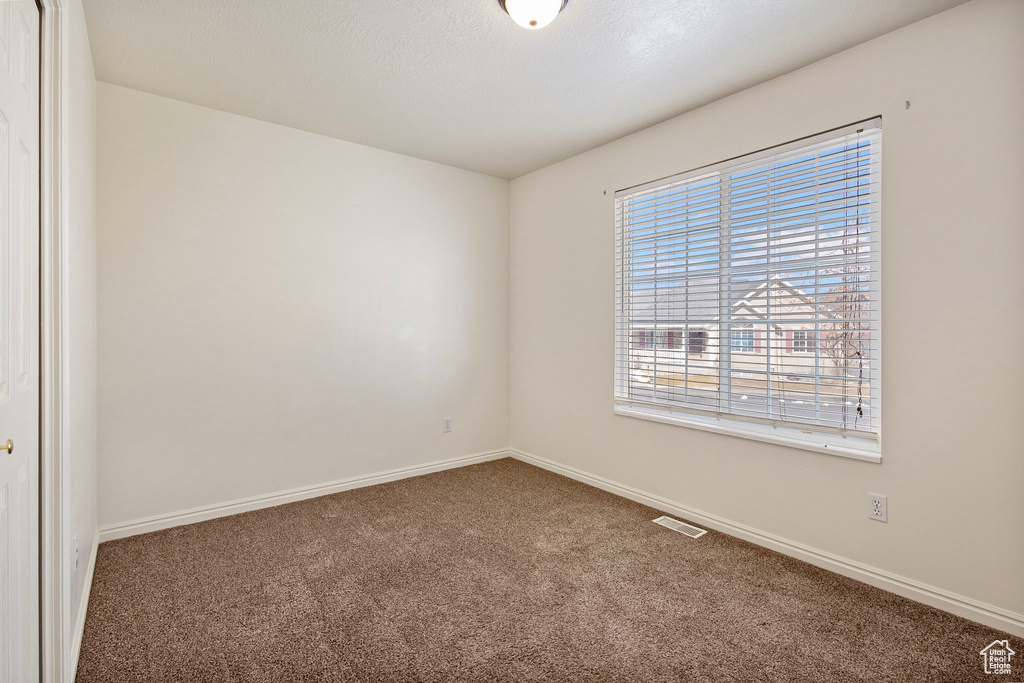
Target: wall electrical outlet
{"points": [[75, 549], [446, 424], [879, 507]]}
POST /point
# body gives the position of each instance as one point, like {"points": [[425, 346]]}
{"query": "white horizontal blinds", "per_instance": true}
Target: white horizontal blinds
{"points": [[750, 289]]}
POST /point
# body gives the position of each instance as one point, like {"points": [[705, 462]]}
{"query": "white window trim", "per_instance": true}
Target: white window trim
{"points": [[858, 448], [865, 449]]}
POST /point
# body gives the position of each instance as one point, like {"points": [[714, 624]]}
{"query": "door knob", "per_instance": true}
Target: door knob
{"points": [[9, 447]]}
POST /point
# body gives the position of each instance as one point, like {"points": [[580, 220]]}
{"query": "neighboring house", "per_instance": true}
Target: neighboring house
{"points": [[677, 331]]}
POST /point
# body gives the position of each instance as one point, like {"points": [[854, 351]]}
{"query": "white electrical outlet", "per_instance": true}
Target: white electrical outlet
{"points": [[878, 509], [76, 551], [446, 424]]}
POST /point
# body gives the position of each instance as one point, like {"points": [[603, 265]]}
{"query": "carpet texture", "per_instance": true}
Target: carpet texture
{"points": [[495, 572]]}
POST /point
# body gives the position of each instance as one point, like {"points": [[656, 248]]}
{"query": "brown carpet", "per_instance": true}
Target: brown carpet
{"points": [[495, 572]]}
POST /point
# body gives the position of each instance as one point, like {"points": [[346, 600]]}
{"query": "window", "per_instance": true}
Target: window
{"points": [[696, 342], [743, 339], [769, 263], [803, 341]]}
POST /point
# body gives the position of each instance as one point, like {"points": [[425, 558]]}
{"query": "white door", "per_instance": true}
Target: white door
{"points": [[19, 341]]}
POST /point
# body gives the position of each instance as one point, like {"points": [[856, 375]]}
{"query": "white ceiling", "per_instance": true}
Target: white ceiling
{"points": [[456, 81]]}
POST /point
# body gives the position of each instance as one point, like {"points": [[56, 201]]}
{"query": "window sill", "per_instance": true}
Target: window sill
{"points": [[831, 444]]}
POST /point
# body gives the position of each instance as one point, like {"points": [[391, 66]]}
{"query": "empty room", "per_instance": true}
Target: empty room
{"points": [[511, 340]]}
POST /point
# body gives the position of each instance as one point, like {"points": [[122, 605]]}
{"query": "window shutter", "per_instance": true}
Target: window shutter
{"points": [[789, 237]]}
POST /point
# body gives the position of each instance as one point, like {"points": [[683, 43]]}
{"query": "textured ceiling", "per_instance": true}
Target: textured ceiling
{"points": [[456, 81]]}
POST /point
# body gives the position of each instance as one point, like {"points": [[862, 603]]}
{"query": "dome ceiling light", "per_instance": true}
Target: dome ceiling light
{"points": [[533, 14]]}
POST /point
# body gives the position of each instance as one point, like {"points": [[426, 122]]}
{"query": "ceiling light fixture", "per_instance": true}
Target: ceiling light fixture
{"points": [[533, 14]]}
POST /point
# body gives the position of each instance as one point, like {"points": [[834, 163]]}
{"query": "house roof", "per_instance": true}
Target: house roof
{"points": [[695, 300]]}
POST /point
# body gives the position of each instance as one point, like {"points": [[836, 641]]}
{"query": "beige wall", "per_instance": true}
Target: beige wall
{"points": [[81, 287], [953, 239], [280, 309]]}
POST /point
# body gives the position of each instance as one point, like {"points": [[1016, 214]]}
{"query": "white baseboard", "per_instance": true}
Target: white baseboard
{"points": [[83, 606], [989, 615], [201, 514]]}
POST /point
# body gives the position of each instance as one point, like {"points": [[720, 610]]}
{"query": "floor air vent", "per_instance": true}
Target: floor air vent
{"points": [[681, 527]]}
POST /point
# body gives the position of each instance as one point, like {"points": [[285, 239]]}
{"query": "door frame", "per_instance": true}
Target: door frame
{"points": [[56, 665]]}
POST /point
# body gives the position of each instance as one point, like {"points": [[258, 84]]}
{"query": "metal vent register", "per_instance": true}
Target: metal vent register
{"points": [[681, 527]]}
